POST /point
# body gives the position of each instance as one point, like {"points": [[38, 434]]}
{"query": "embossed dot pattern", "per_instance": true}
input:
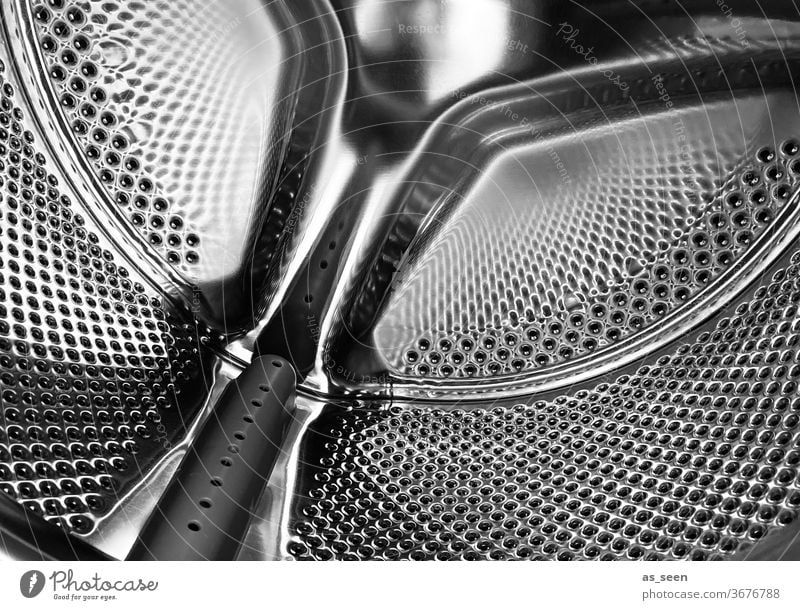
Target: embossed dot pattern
{"points": [[88, 72], [696, 456], [597, 273], [92, 366]]}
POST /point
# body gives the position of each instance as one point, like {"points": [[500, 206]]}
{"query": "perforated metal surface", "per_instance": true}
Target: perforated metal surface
{"points": [[618, 230], [166, 102], [565, 245], [98, 376], [696, 456]]}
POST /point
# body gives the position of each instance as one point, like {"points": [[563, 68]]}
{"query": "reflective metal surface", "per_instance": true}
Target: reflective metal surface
{"points": [[534, 263], [693, 456], [561, 235], [101, 373], [551, 218], [546, 230], [136, 187], [179, 117]]}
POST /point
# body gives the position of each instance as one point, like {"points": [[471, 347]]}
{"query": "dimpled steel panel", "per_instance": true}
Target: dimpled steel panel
{"points": [[93, 364], [560, 280], [693, 457]]}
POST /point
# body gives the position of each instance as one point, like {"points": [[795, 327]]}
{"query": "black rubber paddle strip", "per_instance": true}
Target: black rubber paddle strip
{"points": [[207, 507]]}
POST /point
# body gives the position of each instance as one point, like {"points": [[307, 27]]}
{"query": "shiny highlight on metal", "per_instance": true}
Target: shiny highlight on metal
{"points": [[534, 264]]}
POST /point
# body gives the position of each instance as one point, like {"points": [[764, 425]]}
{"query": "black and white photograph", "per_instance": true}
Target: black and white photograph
{"points": [[408, 282]]}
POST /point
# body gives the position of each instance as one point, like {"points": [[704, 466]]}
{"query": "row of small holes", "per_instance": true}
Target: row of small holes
{"points": [[226, 461]]}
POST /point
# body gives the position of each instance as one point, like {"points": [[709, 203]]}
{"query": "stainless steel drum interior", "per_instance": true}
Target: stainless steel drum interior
{"points": [[514, 279]]}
